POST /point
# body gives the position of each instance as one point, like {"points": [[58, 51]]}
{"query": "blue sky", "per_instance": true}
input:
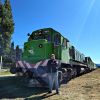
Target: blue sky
{"points": [[77, 20]]}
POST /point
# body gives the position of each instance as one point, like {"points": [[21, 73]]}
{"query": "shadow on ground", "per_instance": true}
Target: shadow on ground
{"points": [[43, 96], [13, 87]]}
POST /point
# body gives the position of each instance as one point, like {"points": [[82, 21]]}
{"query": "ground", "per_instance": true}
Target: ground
{"points": [[85, 87]]}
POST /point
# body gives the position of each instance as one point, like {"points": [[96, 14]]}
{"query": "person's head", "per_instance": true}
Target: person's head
{"points": [[52, 56]]}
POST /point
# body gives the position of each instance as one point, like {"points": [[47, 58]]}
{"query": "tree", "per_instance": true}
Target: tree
{"points": [[12, 52], [7, 27], [12, 46], [0, 9], [8, 20], [17, 53], [1, 39]]}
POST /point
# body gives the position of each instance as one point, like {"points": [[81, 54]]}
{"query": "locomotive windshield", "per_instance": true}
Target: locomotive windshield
{"points": [[40, 35]]}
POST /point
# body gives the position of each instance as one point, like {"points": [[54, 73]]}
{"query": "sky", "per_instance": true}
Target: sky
{"points": [[77, 20]]}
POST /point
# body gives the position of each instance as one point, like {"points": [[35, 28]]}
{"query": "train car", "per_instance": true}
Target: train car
{"points": [[91, 65], [37, 50]]}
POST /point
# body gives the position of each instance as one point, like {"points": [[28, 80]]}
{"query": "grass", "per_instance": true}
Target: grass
{"points": [[5, 72]]}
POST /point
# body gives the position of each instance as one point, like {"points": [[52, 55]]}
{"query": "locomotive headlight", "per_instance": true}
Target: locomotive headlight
{"points": [[40, 45], [31, 51]]}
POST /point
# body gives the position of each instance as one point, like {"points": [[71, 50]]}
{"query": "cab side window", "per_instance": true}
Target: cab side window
{"points": [[64, 44], [48, 37], [57, 39]]}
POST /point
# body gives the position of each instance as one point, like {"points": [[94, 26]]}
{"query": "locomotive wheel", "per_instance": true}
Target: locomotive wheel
{"points": [[78, 71], [63, 70], [69, 70], [74, 73], [13, 70]]}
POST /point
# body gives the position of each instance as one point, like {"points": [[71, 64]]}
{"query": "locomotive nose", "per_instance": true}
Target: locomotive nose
{"points": [[37, 50]]}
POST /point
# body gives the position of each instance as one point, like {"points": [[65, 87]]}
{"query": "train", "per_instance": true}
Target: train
{"points": [[37, 51]]}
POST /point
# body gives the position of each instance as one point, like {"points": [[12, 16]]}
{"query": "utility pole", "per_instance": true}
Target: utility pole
{"points": [[0, 62]]}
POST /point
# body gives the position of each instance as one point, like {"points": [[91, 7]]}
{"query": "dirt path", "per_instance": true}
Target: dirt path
{"points": [[85, 87]]}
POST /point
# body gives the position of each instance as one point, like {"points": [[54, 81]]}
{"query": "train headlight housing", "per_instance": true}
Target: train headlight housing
{"points": [[40, 45]]}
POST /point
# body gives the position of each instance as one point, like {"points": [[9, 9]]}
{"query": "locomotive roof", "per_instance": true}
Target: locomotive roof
{"points": [[50, 29]]}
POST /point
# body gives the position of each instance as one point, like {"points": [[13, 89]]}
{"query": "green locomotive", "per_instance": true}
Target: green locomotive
{"points": [[37, 50], [42, 43]]}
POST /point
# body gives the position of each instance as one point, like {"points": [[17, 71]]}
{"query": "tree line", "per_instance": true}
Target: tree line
{"points": [[6, 30]]}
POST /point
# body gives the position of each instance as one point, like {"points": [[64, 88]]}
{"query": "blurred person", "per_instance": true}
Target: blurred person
{"points": [[52, 67]]}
